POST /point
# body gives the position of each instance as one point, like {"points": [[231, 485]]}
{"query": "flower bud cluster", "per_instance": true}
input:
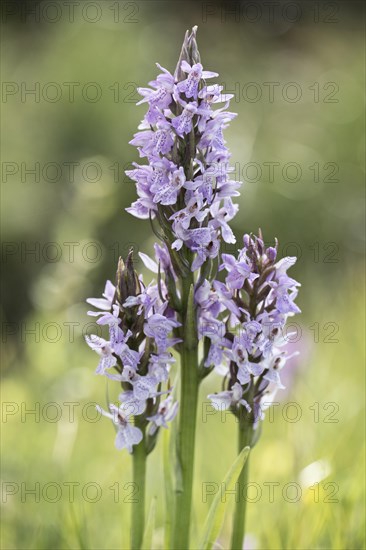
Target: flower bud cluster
{"points": [[186, 184], [242, 321], [136, 353]]}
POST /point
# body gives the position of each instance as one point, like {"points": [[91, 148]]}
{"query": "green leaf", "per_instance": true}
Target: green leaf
{"points": [[149, 529], [216, 514], [190, 330], [169, 489]]}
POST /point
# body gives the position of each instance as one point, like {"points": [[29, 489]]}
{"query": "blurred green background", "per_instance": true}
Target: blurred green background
{"points": [[298, 144]]}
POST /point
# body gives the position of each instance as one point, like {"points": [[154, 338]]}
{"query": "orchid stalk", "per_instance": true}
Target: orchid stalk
{"points": [[216, 311]]}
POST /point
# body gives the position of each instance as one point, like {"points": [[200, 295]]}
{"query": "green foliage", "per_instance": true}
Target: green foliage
{"points": [[149, 528], [216, 514]]}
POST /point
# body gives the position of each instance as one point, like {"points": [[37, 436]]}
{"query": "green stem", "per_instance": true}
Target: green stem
{"points": [[138, 508], [244, 439], [187, 422]]}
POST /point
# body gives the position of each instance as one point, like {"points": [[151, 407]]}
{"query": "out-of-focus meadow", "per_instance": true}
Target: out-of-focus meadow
{"points": [[297, 144]]}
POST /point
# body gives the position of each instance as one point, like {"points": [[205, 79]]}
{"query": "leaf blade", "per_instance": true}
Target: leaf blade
{"points": [[149, 529], [216, 513]]}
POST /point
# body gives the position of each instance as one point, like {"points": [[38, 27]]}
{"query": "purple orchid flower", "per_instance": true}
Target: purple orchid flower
{"points": [[127, 435], [167, 411]]}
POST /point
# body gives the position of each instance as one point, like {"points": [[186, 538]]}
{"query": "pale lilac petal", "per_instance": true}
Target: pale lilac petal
{"points": [[127, 436], [221, 401], [149, 263]]}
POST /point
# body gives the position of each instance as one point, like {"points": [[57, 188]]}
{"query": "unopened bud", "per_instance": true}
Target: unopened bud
{"points": [[189, 53], [271, 253], [128, 283], [246, 240]]}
